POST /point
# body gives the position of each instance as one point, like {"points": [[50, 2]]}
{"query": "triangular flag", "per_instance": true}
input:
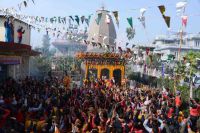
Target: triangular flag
{"points": [[77, 19], [98, 18], [59, 19], [127, 44], [87, 21], [64, 20], [25, 3], [89, 17], [20, 6], [142, 11], [167, 20], [116, 15], [133, 45], [33, 1], [142, 20], [162, 9], [130, 21], [71, 18], [82, 19], [184, 20], [100, 45]]}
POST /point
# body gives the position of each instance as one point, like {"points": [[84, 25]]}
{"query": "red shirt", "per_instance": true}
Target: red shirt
{"points": [[4, 117]]}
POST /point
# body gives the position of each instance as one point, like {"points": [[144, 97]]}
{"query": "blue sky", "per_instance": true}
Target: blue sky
{"points": [[127, 8]]}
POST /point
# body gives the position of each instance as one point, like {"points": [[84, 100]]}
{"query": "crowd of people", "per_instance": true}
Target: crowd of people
{"points": [[48, 106]]}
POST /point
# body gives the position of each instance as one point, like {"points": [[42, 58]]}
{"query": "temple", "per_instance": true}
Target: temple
{"points": [[100, 60]]}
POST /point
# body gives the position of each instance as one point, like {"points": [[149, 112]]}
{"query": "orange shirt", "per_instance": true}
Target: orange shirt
{"points": [[178, 101]]}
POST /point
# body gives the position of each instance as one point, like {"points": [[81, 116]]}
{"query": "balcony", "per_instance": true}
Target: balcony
{"points": [[16, 49]]}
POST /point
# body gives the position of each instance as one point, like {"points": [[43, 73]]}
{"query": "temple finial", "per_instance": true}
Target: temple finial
{"points": [[102, 6]]}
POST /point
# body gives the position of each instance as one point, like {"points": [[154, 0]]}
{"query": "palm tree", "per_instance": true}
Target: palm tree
{"points": [[130, 33]]}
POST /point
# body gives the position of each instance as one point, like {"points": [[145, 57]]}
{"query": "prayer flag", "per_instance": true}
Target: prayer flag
{"points": [[130, 21], [71, 18], [33, 1], [99, 18], [77, 19], [25, 3], [167, 20], [82, 19], [162, 9], [184, 20], [116, 15]]}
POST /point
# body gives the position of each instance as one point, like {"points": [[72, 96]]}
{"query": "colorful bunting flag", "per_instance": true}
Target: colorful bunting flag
{"points": [[98, 18], [142, 20], [77, 19], [167, 20], [25, 3], [20, 6], [82, 19], [71, 18], [87, 21], [162, 9], [100, 45], [33, 1], [184, 20], [142, 17], [116, 15], [130, 21], [89, 17]]}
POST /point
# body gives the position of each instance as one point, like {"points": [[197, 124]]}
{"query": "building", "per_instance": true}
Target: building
{"points": [[99, 62], [171, 45], [72, 42], [165, 48], [14, 57], [104, 32]]}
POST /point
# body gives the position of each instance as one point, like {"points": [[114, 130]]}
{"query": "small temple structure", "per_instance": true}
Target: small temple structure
{"points": [[101, 60]]}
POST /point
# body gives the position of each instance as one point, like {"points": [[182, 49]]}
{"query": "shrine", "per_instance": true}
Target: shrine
{"points": [[103, 66]]}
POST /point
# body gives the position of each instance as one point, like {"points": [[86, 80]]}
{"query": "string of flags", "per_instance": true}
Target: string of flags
{"points": [[42, 22], [166, 18]]}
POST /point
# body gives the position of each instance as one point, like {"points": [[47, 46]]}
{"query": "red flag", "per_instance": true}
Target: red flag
{"points": [[147, 51], [184, 20]]}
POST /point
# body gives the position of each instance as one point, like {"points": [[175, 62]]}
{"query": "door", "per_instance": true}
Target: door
{"points": [[117, 76], [105, 73]]}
